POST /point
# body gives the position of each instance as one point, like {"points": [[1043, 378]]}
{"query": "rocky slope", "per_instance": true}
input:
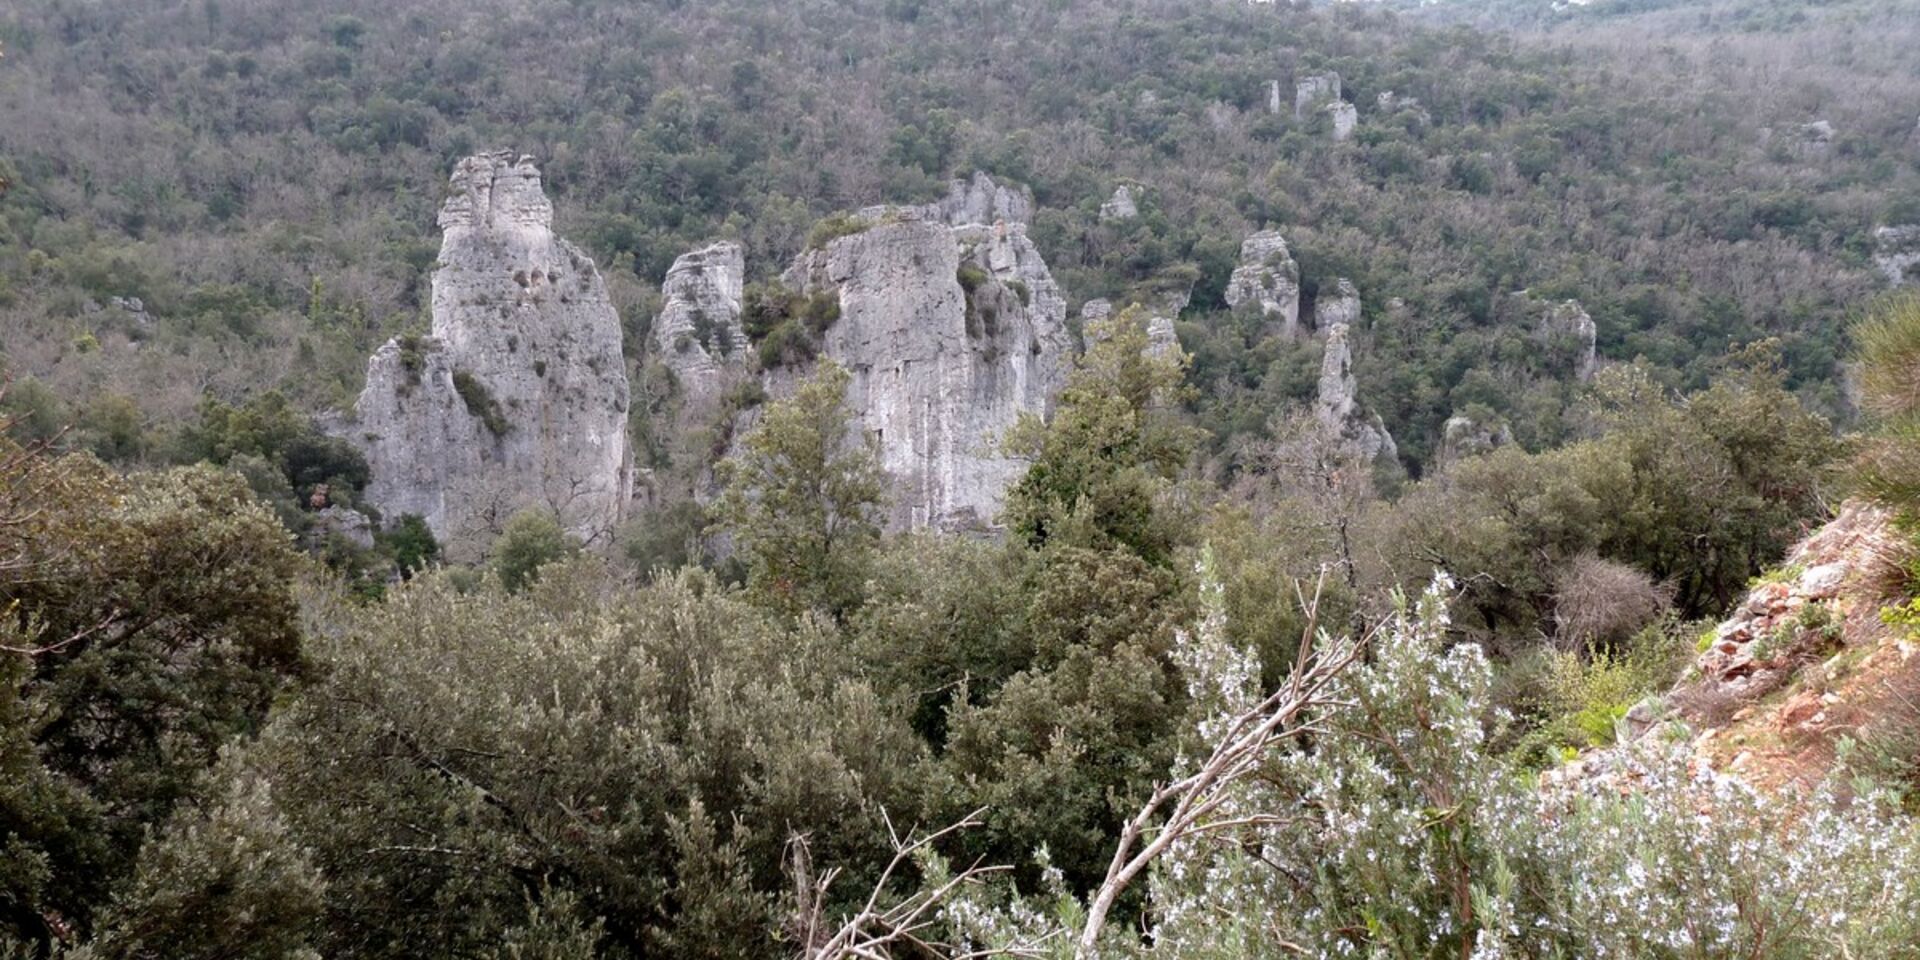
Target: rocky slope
{"points": [[952, 327], [1803, 663], [519, 396]]}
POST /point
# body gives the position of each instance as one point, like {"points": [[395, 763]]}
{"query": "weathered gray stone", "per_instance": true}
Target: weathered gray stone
{"points": [[519, 397], [939, 374], [1311, 91], [698, 334], [350, 525], [1345, 119], [1122, 206], [1570, 320], [1094, 311], [1896, 250], [981, 200], [1337, 407], [1161, 338], [1464, 437], [1274, 103], [1269, 278]]}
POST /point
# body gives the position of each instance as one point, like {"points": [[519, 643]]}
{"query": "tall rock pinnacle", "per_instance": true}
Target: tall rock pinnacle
{"points": [[519, 396]]}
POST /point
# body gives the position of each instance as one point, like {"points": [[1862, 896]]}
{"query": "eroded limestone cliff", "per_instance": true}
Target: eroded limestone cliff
{"points": [[952, 327], [519, 396]]}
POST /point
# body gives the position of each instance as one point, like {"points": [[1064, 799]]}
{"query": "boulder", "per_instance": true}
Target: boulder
{"points": [[1569, 322], [1345, 118], [1465, 437], [1337, 407], [1268, 277], [1310, 92], [1122, 206]]}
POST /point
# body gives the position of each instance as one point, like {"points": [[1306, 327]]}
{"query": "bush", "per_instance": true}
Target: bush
{"points": [[833, 228], [532, 539], [480, 403]]}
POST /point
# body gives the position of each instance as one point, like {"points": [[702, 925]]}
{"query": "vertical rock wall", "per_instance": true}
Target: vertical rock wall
{"points": [[519, 396], [951, 328]]}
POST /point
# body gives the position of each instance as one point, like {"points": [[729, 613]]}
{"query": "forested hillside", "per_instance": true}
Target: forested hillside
{"points": [[259, 176], [950, 479]]}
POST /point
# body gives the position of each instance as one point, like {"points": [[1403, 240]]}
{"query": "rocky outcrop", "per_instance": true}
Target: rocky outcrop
{"points": [[1268, 278], [519, 396], [951, 329], [1803, 663], [1274, 103], [1094, 311], [982, 201], [1337, 407], [342, 524], [698, 334], [1311, 92], [1465, 437], [1345, 118], [1569, 325], [1161, 339], [1122, 206], [1896, 251]]}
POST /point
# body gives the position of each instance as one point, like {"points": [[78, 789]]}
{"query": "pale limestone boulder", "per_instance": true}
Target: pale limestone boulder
{"points": [[1310, 92], [1268, 277], [1345, 118], [1337, 407], [1896, 251]]}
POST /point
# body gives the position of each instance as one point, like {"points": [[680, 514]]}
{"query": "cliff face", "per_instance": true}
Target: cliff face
{"points": [[519, 397], [951, 328], [698, 334]]}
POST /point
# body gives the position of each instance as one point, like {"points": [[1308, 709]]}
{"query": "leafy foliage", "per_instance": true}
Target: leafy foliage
{"points": [[802, 498]]}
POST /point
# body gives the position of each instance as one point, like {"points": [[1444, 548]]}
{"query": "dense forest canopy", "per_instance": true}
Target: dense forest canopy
{"points": [[262, 176], [1600, 637]]}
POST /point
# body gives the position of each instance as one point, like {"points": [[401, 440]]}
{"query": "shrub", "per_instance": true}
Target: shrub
{"points": [[532, 539], [480, 403], [833, 228]]}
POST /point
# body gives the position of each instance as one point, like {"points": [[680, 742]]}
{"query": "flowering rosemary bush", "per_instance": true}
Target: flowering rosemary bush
{"points": [[1392, 831]]}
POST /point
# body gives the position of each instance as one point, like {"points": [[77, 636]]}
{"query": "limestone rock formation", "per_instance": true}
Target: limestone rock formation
{"points": [[1161, 338], [1094, 311], [1122, 206], [1311, 91], [1345, 118], [519, 397], [698, 334], [1269, 278], [982, 201], [1464, 437], [1570, 320], [1274, 103], [951, 329], [1337, 408], [342, 523], [1896, 250]]}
